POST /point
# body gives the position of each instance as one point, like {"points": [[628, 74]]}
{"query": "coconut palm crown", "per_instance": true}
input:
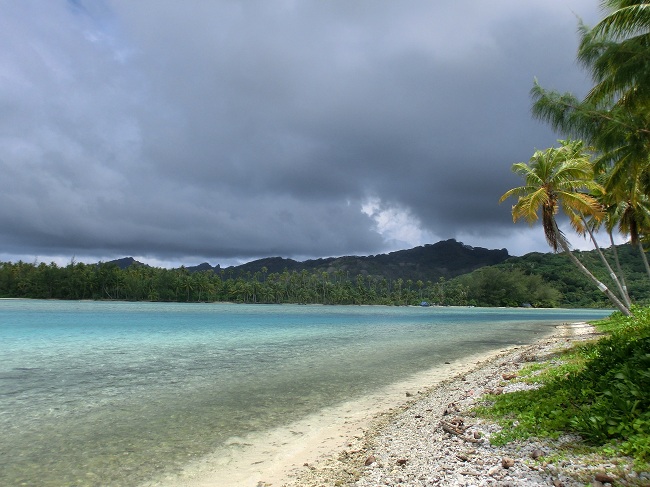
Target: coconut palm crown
{"points": [[558, 177], [617, 52]]}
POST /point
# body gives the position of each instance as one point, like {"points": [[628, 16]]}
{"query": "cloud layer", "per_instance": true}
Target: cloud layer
{"points": [[232, 130]]}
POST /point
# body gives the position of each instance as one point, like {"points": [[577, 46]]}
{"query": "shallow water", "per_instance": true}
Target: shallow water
{"points": [[96, 393]]}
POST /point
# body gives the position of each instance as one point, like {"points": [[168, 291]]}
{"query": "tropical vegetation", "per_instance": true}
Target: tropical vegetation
{"points": [[576, 289], [107, 281], [605, 184], [536, 279], [560, 178], [598, 390]]}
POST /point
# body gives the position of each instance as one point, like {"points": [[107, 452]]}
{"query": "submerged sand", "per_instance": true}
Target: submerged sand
{"points": [[326, 448]]}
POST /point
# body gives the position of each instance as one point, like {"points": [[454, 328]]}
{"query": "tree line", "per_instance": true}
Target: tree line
{"points": [[106, 281]]}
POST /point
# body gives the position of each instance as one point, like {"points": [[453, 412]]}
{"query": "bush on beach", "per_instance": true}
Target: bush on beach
{"points": [[600, 390]]}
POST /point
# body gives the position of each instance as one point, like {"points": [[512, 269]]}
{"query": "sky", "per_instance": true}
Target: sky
{"points": [[225, 131]]}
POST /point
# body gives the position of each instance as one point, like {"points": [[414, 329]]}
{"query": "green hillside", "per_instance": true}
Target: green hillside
{"points": [[445, 259], [558, 273], [446, 273]]}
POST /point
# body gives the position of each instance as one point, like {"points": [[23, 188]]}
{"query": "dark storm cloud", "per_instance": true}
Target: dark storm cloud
{"points": [[212, 130]]}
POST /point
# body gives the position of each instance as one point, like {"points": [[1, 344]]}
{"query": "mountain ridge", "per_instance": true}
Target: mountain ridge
{"points": [[444, 259]]}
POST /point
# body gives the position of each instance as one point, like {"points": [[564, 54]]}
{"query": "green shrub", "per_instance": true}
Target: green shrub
{"points": [[602, 392]]}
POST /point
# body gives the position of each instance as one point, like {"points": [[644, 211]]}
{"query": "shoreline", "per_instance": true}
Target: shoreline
{"points": [[436, 440], [330, 447]]}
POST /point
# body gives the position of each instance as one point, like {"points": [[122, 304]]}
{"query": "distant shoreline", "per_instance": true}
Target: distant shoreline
{"points": [[434, 306]]}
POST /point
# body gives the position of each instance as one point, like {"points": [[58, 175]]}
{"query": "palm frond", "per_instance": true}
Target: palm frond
{"points": [[627, 18]]}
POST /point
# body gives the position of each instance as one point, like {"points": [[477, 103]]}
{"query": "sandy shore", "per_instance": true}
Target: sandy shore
{"points": [[331, 447]]}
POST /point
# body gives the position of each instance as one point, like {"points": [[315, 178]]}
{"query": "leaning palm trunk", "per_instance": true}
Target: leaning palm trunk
{"points": [[612, 297], [644, 257], [628, 301], [612, 274]]}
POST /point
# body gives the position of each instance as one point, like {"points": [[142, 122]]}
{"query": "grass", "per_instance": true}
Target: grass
{"points": [[599, 390]]}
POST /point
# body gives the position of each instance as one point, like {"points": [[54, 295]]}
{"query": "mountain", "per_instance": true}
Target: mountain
{"points": [[204, 267], [126, 262], [430, 262]]}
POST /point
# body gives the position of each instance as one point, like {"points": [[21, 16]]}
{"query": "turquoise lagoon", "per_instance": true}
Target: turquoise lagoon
{"points": [[117, 394]]}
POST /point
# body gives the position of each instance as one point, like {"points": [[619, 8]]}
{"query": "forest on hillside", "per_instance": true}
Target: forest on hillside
{"points": [[576, 289], [538, 280], [497, 285]]}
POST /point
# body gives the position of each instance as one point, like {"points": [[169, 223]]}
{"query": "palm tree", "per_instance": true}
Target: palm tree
{"points": [[560, 178], [609, 223], [614, 116], [590, 227], [616, 52], [630, 210]]}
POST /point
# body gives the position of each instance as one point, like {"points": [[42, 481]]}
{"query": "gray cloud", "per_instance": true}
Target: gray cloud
{"points": [[225, 130]]}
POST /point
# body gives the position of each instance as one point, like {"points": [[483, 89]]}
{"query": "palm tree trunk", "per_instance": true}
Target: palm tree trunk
{"points": [[612, 274], [620, 271], [644, 257], [612, 297]]}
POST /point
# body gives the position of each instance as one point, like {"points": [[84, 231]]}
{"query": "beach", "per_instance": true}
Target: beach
{"points": [[402, 435], [305, 449]]}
